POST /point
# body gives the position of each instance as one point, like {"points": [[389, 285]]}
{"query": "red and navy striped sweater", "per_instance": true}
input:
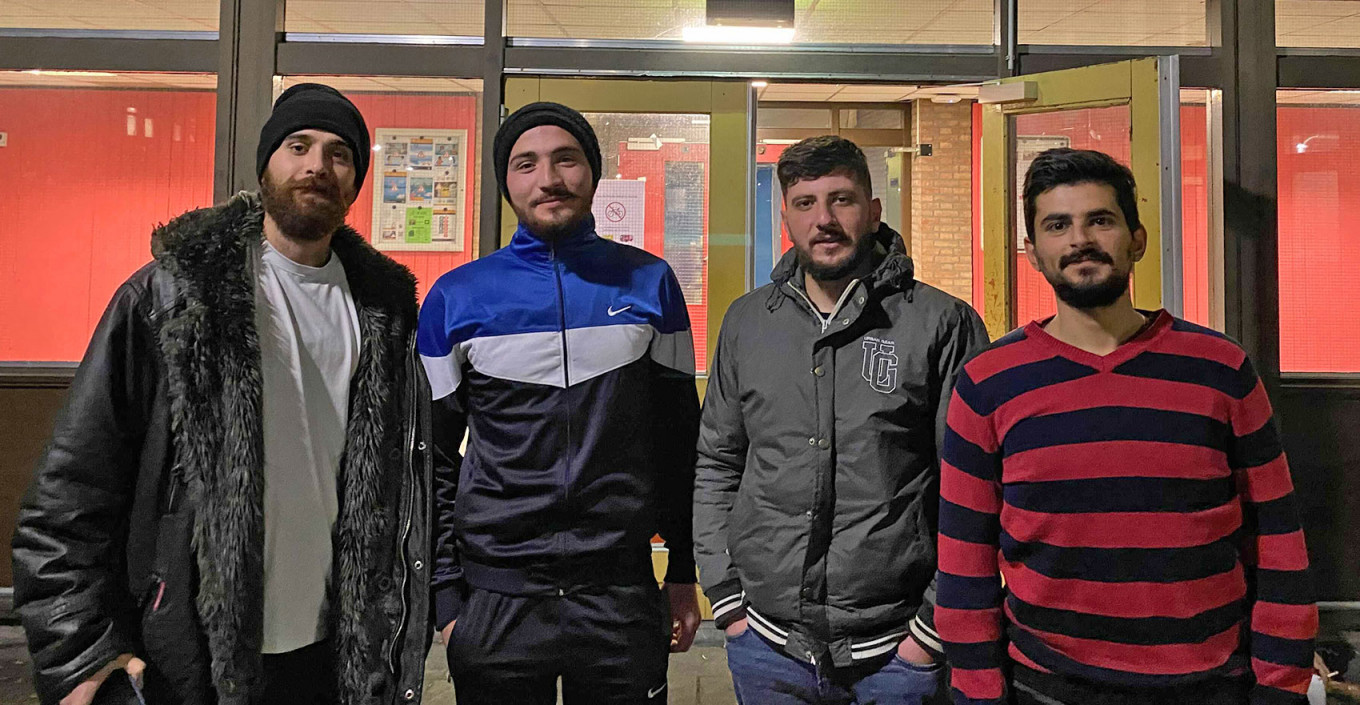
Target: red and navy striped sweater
{"points": [[1139, 508]]}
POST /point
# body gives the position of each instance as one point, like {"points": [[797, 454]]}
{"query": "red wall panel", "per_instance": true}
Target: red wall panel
{"points": [[1319, 211], [85, 177], [87, 174]]}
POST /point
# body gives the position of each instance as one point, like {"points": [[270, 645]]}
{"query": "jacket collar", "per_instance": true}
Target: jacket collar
{"points": [[528, 246], [207, 248]]}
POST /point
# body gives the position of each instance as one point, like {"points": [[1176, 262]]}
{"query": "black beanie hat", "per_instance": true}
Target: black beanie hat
{"points": [[536, 115], [313, 106]]}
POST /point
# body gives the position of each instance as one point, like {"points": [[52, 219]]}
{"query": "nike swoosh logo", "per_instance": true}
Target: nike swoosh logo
{"points": [[653, 693], [613, 313]]}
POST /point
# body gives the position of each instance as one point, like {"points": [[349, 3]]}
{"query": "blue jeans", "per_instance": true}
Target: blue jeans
{"points": [[763, 675]]}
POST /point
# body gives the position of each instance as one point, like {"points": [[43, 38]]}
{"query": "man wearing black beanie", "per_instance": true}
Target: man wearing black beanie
{"points": [[229, 511], [568, 361]]}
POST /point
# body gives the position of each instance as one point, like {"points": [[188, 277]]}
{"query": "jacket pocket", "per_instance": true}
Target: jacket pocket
{"points": [[176, 652]]}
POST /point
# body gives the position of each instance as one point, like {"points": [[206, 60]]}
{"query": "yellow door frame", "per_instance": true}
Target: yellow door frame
{"points": [[1136, 83]]}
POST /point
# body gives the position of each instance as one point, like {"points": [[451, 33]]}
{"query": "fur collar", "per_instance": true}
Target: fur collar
{"points": [[211, 352]]}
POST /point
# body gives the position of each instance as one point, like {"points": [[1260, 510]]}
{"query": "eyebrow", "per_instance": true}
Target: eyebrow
{"points": [[1055, 217], [560, 150], [308, 139]]}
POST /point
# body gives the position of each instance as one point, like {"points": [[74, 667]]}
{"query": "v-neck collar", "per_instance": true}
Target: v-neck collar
{"points": [[1160, 322]]}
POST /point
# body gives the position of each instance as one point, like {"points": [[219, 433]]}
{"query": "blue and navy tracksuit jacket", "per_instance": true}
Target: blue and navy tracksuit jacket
{"points": [[571, 366]]}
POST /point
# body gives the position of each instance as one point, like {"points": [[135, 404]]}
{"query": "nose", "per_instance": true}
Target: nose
{"points": [[823, 215], [1081, 236], [317, 161], [549, 178]]}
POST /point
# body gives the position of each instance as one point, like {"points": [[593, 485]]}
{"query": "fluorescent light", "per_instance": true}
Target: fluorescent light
{"points": [[759, 84], [714, 34], [73, 74]]}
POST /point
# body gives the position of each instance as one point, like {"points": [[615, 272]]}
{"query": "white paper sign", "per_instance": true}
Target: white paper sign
{"points": [[620, 210]]}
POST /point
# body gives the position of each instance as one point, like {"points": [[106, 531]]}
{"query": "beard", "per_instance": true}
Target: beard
{"points": [[864, 250], [1092, 295], [310, 219], [550, 230]]}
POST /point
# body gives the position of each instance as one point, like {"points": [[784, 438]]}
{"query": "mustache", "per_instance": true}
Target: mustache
{"points": [[831, 234], [323, 186], [1089, 254], [554, 195]]}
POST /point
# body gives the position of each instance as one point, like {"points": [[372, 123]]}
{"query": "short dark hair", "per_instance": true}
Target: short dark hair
{"points": [[816, 157], [1066, 167]]}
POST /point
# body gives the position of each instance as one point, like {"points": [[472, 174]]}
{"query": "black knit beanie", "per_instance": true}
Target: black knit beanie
{"points": [[313, 106], [538, 114]]}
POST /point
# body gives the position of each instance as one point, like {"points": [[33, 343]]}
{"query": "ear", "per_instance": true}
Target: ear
{"points": [[1032, 256], [1138, 246], [875, 211]]}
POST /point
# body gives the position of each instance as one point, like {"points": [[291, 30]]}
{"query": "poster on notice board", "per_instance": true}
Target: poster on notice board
{"points": [[420, 197]]}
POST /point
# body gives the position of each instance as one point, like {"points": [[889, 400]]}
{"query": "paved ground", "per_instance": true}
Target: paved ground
{"points": [[696, 678]]}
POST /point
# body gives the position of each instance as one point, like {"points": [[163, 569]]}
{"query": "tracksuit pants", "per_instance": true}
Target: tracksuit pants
{"points": [[610, 645]]}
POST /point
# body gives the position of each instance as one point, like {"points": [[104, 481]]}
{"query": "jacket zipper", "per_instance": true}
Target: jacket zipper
{"points": [[410, 501], [825, 320], [566, 383]]}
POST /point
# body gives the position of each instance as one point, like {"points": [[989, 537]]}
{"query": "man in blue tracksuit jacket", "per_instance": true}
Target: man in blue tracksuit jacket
{"points": [[569, 361]]}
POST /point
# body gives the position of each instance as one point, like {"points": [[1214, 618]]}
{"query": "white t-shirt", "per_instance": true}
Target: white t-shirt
{"points": [[309, 348]]}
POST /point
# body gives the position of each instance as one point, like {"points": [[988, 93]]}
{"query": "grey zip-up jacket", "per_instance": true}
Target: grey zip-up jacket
{"points": [[817, 486]]}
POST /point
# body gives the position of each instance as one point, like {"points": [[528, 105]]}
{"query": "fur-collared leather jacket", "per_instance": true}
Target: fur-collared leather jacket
{"points": [[143, 531]]}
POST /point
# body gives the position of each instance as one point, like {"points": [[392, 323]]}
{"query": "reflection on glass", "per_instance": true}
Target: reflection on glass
{"points": [[872, 119], [1113, 22], [150, 15], [796, 118], [444, 172], [463, 18], [815, 21], [1201, 247], [1317, 23], [1319, 216], [654, 196], [87, 212]]}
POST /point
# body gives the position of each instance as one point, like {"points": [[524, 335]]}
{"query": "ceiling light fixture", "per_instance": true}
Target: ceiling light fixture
{"points": [[73, 74], [759, 84]]}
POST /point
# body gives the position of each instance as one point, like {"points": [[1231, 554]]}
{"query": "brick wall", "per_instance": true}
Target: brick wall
{"points": [[942, 197]]}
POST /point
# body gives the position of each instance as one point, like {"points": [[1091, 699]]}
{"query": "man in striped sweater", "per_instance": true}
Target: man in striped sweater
{"points": [[1116, 519]]}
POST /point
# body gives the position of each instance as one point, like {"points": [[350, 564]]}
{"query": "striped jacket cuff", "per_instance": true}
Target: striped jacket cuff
{"points": [[729, 602], [926, 636]]}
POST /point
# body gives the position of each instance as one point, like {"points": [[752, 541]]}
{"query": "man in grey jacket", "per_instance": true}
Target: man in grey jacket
{"points": [[817, 490]]}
